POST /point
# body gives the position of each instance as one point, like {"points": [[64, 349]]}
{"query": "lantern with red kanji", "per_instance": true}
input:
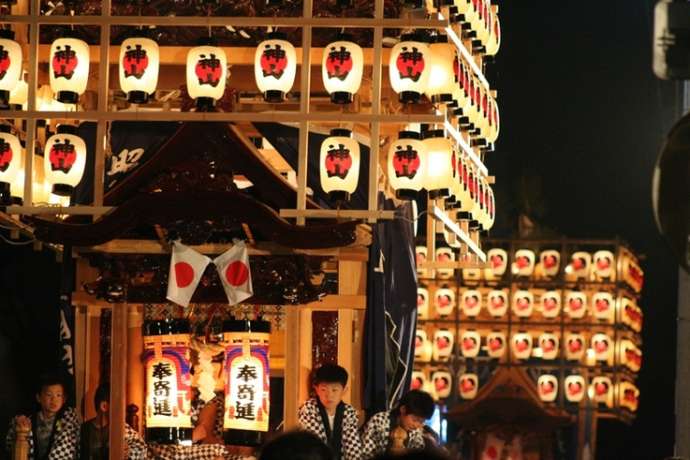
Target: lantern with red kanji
{"points": [[139, 62], [339, 164], [341, 69], [275, 67], [409, 68], [10, 161], [69, 69], [407, 164], [10, 65], [65, 159], [207, 71]]}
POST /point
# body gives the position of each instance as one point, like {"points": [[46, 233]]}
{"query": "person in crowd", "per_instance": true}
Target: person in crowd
{"points": [[53, 429], [207, 418], [328, 417], [400, 429], [296, 445], [93, 443]]}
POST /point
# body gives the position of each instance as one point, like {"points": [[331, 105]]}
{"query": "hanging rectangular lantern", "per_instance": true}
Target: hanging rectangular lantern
{"points": [[10, 162], [408, 68], [275, 67], [341, 69], [10, 65], [247, 383], [207, 72], [64, 161], [339, 164], [407, 165], [69, 69], [139, 63]]}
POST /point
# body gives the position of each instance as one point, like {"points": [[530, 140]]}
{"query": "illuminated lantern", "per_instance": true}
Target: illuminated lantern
{"points": [[69, 69], [139, 62], [522, 345], [441, 74], [603, 265], [443, 344], [524, 262], [631, 272], [442, 382], [65, 159], [441, 164], [168, 382], [471, 302], [574, 387], [445, 254], [470, 342], [628, 396], [547, 387], [19, 95], [579, 264], [275, 67], [494, 41], [550, 304], [247, 381], [523, 303], [407, 165], [498, 258], [422, 347], [603, 347], [629, 355], [548, 342], [574, 346], [491, 211], [575, 304], [422, 303], [496, 344], [602, 390], [550, 261], [10, 162], [468, 385], [497, 303], [339, 162], [409, 68], [207, 72], [630, 314], [341, 69], [444, 301], [418, 381], [10, 65], [420, 257], [603, 306]]}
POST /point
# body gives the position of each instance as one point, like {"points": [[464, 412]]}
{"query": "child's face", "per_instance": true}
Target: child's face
{"points": [[330, 394], [408, 421], [51, 398]]}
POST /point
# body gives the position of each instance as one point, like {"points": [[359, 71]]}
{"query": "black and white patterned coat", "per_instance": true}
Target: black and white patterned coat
{"points": [[377, 434], [351, 444], [65, 439]]}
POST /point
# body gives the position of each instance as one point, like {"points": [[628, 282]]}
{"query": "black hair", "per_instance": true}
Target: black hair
{"points": [[49, 379], [418, 403], [102, 394], [330, 373], [296, 445]]}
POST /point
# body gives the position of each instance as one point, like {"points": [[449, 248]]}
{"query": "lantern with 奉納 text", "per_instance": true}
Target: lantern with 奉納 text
{"points": [[139, 62], [10, 65], [207, 71], [275, 67], [64, 161], [341, 69], [69, 69], [339, 164]]}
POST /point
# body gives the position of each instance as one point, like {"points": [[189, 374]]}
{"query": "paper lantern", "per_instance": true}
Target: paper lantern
{"points": [[69, 69], [418, 381], [440, 164], [550, 261], [603, 347], [10, 161], [521, 345], [574, 387], [423, 348], [574, 346], [341, 69], [441, 75], [550, 304], [630, 314], [575, 304], [407, 165], [444, 301], [421, 258], [207, 72], [497, 303], [443, 344], [422, 303], [603, 306], [443, 382], [547, 387], [494, 42], [247, 383], [496, 344], [602, 390], [139, 63], [471, 302], [19, 95], [548, 342], [275, 67], [445, 254], [629, 355], [523, 264], [65, 159], [409, 68], [491, 209], [468, 385], [579, 264], [10, 66], [168, 382], [498, 258], [631, 272], [523, 303], [339, 162], [470, 343], [628, 396], [603, 266]]}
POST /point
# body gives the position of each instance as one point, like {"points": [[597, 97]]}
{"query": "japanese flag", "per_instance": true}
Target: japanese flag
{"points": [[186, 268], [234, 273], [493, 448]]}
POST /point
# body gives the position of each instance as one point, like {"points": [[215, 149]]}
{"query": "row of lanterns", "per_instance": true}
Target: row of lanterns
{"points": [[479, 20]]}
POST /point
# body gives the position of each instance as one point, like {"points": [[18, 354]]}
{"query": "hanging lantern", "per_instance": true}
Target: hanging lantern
{"points": [[69, 69], [442, 383], [496, 344], [168, 382], [422, 347], [550, 262], [275, 66], [407, 165], [522, 345], [499, 261], [628, 396], [139, 63], [524, 262], [339, 162], [471, 302], [341, 69], [574, 346], [523, 303], [574, 388], [497, 303], [439, 174], [420, 259], [10, 162], [494, 40], [10, 65], [602, 390], [470, 342], [548, 342], [579, 264], [418, 381], [443, 344], [247, 383], [409, 68], [65, 158], [603, 265], [207, 72], [444, 301], [19, 95], [603, 347], [575, 304], [547, 387], [469, 383], [445, 255], [550, 304], [423, 303], [441, 72], [603, 306]]}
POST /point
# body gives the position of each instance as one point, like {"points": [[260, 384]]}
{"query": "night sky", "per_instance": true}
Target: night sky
{"points": [[583, 118]]}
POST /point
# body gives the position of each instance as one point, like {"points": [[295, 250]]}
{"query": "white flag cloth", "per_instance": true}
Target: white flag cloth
{"points": [[493, 448], [186, 268], [235, 274]]}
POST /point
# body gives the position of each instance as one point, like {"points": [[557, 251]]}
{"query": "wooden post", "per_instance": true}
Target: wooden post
{"points": [[118, 381], [135, 369], [292, 367]]}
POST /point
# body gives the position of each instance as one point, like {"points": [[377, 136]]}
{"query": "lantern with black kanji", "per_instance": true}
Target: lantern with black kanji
{"points": [[168, 381], [64, 161], [407, 164], [139, 62], [247, 381], [10, 161], [341, 69], [409, 68], [339, 164], [275, 67], [69, 69], [207, 70], [441, 83], [440, 164], [10, 65]]}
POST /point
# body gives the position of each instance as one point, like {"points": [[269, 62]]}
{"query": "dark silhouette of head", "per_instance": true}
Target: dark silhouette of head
{"points": [[296, 445]]}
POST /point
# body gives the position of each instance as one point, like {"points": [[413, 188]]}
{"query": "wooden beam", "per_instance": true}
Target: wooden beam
{"points": [[118, 381], [136, 379]]}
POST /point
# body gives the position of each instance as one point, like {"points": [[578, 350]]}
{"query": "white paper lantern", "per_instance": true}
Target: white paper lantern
{"points": [[603, 306], [423, 348], [341, 69], [409, 68], [275, 67], [69, 69], [550, 304], [207, 71], [468, 385], [441, 75], [579, 264], [10, 65], [548, 342], [139, 64], [19, 95], [521, 345], [574, 346], [574, 388], [444, 301], [471, 302], [443, 344], [10, 161], [499, 261], [418, 381], [547, 387], [628, 396], [407, 165], [497, 303], [603, 264], [443, 382], [420, 259], [339, 164], [445, 254], [603, 347], [496, 344], [523, 303], [550, 261], [494, 41], [524, 262], [440, 166], [602, 390], [575, 304], [470, 342], [422, 303], [65, 158]]}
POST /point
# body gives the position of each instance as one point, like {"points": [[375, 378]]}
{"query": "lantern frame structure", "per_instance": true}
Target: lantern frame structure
{"points": [[138, 68]]}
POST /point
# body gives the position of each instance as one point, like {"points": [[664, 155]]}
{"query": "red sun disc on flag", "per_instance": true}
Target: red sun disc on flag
{"points": [[184, 274], [237, 273]]}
